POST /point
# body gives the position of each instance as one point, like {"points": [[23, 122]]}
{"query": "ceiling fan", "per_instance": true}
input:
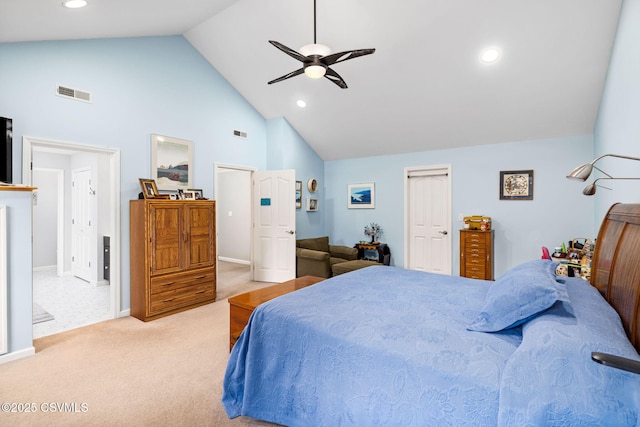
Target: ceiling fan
{"points": [[317, 58]]}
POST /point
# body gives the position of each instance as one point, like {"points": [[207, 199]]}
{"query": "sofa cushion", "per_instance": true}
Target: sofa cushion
{"points": [[345, 267], [344, 252], [316, 243]]}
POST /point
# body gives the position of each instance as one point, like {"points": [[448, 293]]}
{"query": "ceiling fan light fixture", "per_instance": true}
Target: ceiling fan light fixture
{"points": [[315, 71], [317, 49], [74, 4]]}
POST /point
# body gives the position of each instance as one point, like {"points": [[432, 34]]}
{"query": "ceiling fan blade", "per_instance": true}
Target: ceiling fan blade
{"points": [[334, 58], [335, 77], [294, 54], [289, 75]]}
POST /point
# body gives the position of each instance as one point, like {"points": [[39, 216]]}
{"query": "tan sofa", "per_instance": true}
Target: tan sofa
{"points": [[316, 257]]}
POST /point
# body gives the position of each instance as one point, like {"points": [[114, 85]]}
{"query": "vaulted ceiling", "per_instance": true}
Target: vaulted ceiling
{"points": [[424, 88]]}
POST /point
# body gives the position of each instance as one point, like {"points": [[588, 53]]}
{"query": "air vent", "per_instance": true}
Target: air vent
{"points": [[240, 133], [76, 94]]}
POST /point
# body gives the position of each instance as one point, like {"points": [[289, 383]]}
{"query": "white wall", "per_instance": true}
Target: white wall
{"points": [[234, 215], [45, 217]]}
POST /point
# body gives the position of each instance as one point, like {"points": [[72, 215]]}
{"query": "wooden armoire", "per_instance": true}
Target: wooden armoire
{"points": [[173, 256]]}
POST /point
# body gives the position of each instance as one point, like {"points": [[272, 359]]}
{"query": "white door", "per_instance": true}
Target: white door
{"points": [[274, 237], [81, 224], [428, 219]]}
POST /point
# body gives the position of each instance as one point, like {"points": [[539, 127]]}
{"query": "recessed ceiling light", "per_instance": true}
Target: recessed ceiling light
{"points": [[74, 4], [301, 103], [490, 55]]}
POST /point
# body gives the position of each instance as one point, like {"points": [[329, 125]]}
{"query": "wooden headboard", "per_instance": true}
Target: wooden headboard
{"points": [[615, 270]]}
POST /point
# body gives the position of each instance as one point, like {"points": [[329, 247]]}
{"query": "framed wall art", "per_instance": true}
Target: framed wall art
{"points": [[298, 194], [171, 162], [516, 185], [312, 204], [361, 196]]}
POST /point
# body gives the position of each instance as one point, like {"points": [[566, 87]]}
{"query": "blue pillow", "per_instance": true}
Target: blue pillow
{"points": [[518, 295], [550, 380]]}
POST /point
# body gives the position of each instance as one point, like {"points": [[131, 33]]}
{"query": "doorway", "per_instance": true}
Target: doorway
{"points": [[428, 218], [234, 213], [104, 193], [239, 204]]}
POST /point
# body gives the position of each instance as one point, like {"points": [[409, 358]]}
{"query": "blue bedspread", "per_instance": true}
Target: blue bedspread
{"points": [[384, 346], [378, 346]]}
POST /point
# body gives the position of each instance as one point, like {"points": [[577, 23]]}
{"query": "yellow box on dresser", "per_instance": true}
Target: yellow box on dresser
{"points": [[173, 256]]}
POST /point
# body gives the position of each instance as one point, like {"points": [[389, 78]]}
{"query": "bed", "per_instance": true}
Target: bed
{"points": [[387, 346]]}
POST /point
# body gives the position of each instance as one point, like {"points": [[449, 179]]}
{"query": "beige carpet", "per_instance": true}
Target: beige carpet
{"points": [[127, 372]]}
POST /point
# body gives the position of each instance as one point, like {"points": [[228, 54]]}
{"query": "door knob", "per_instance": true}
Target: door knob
{"points": [[443, 232], [291, 232]]}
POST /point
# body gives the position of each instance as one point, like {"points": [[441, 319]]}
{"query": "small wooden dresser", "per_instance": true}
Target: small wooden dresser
{"points": [[476, 254]]}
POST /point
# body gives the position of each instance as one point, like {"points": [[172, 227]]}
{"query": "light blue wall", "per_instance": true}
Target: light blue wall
{"points": [[618, 126], [287, 150], [557, 213], [140, 86]]}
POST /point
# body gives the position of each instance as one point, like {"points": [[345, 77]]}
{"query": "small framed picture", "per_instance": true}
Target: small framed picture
{"points": [[149, 189], [312, 204], [190, 195], [298, 194], [199, 195], [361, 196], [516, 185]]}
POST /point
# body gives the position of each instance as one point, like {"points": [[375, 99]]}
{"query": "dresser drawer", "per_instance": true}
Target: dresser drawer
{"points": [[172, 282], [474, 238], [475, 271], [475, 252], [180, 297]]}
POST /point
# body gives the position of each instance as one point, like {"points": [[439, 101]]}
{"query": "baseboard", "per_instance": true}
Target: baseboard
{"points": [[15, 355], [234, 261], [125, 313]]}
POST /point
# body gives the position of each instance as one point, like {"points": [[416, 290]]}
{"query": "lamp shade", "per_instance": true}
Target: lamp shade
{"points": [[589, 190], [315, 71], [581, 173]]}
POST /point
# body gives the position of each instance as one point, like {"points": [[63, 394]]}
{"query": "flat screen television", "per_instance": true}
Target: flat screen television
{"points": [[6, 156]]}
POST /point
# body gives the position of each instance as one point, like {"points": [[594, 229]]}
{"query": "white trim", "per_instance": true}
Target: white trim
{"points": [[4, 314], [29, 142], [421, 171], [15, 355], [234, 261]]}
